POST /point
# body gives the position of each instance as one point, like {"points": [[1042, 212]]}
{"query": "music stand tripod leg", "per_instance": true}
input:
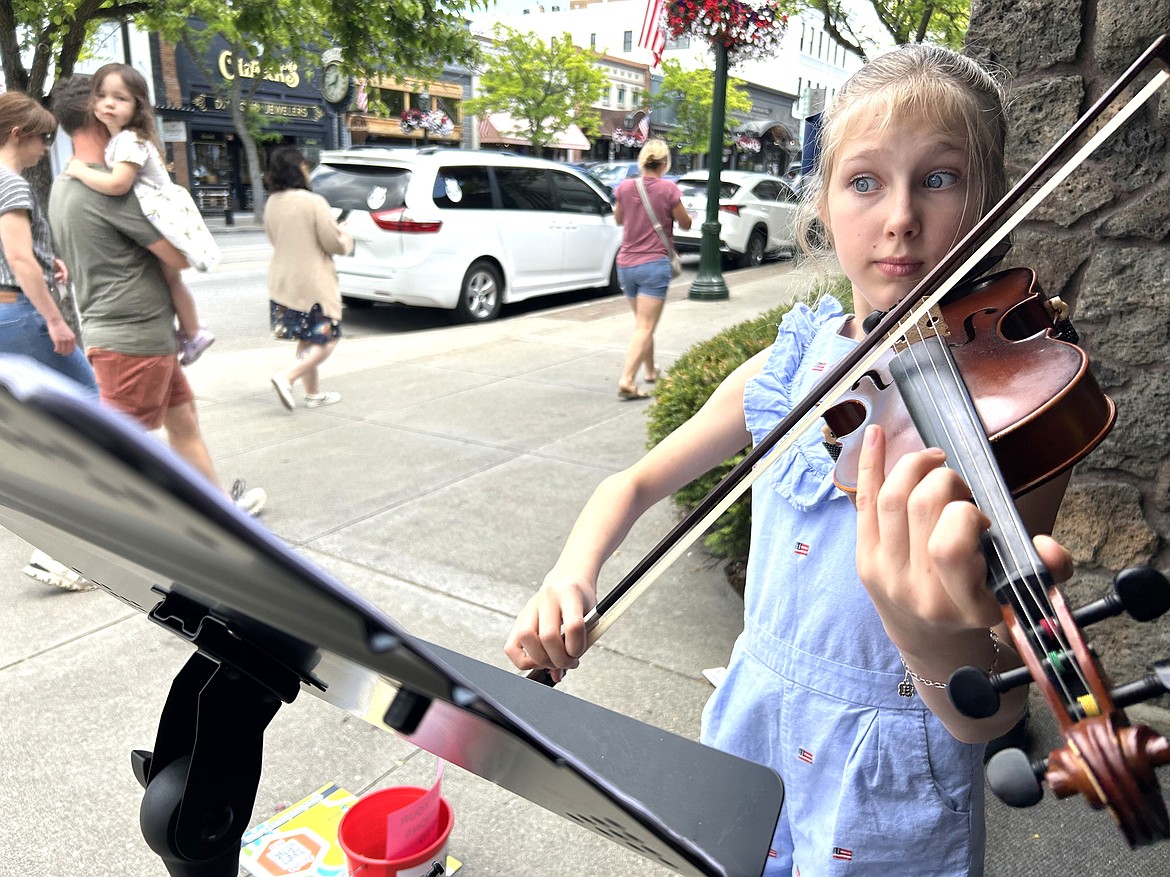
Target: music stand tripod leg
{"points": [[202, 777]]}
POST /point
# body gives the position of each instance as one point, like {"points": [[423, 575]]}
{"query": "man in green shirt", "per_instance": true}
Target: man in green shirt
{"points": [[114, 254]]}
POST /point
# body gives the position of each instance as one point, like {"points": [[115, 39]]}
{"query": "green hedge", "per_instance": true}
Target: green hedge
{"points": [[683, 390]]}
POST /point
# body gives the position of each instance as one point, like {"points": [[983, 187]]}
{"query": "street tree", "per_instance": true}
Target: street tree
{"points": [[689, 94], [41, 41], [410, 38], [543, 86], [905, 21]]}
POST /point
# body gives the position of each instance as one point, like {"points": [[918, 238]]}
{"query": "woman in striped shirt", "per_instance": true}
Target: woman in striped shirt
{"points": [[30, 320]]}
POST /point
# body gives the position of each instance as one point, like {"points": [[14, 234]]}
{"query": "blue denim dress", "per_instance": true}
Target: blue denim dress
{"points": [[874, 784]]}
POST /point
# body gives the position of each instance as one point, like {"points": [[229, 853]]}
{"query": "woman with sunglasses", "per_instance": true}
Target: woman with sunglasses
{"points": [[30, 320]]}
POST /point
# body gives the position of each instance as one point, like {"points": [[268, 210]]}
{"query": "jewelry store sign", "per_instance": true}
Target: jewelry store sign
{"points": [[285, 112]]}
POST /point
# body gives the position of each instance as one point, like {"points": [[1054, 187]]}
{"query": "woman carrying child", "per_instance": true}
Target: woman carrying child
{"points": [[876, 783]]}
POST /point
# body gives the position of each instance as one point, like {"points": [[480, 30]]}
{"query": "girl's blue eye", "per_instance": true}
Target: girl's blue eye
{"points": [[941, 180], [863, 184]]}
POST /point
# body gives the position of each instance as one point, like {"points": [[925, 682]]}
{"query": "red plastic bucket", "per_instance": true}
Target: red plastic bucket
{"points": [[362, 834]]}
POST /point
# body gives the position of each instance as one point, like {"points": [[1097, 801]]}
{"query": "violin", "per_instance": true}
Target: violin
{"points": [[1033, 391], [1104, 758], [987, 378]]}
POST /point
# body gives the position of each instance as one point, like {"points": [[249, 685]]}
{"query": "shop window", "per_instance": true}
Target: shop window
{"points": [[212, 166], [388, 103], [450, 106]]}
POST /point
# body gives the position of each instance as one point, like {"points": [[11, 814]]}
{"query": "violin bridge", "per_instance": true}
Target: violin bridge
{"points": [[932, 325]]}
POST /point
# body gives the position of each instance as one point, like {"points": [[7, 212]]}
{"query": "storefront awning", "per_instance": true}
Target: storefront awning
{"points": [[502, 128], [768, 130]]}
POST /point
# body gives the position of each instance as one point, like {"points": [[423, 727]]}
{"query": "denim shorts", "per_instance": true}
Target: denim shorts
{"points": [[649, 278]]}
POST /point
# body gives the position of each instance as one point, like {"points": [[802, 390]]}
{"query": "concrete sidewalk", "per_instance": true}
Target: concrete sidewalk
{"points": [[442, 488]]}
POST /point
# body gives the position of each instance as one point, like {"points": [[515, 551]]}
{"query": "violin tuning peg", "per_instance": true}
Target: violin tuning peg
{"points": [[1140, 591], [972, 693], [1149, 686], [870, 322], [975, 694], [1015, 778], [1143, 591]]}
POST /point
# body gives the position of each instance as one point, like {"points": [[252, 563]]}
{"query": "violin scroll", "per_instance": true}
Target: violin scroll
{"points": [[1104, 758]]}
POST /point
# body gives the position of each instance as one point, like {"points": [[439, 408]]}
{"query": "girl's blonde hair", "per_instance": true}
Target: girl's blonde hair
{"points": [[142, 122], [656, 154], [946, 91]]}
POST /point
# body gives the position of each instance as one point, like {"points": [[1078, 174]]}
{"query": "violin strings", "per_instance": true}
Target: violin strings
{"points": [[1038, 604], [1031, 600]]}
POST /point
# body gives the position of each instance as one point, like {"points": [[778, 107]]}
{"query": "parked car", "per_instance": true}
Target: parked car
{"points": [[610, 173], [793, 176], [757, 215], [466, 230]]}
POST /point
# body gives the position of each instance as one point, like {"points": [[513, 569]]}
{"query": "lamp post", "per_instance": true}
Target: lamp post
{"points": [[424, 98], [709, 284]]}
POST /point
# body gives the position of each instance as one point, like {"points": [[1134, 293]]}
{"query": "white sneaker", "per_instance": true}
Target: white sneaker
{"points": [[44, 569], [192, 348], [250, 500], [322, 399], [284, 392]]}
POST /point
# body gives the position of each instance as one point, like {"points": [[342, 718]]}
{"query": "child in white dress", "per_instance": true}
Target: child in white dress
{"points": [[121, 102]]}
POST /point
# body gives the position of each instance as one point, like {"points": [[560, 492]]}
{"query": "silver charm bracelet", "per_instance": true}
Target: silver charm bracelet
{"points": [[906, 687]]}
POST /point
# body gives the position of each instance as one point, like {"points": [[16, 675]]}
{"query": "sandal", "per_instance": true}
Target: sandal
{"points": [[654, 376], [629, 395]]}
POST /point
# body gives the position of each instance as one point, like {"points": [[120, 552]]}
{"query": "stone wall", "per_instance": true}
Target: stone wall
{"points": [[1102, 242]]}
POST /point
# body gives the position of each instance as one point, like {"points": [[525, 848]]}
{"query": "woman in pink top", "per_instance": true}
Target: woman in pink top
{"points": [[643, 262]]}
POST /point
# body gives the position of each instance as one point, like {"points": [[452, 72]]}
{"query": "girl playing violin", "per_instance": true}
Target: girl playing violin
{"points": [[849, 611]]}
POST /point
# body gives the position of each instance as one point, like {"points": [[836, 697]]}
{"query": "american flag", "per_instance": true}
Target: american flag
{"points": [[801, 549], [805, 756], [653, 36], [843, 854], [820, 366], [643, 129]]}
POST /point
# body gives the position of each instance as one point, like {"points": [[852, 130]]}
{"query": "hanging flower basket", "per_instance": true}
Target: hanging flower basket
{"points": [[746, 30], [747, 144], [434, 122], [622, 137]]}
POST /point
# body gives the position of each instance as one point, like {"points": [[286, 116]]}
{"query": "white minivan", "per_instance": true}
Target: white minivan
{"points": [[466, 230]]}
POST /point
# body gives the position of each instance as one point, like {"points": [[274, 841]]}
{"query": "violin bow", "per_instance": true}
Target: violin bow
{"points": [[963, 258]]}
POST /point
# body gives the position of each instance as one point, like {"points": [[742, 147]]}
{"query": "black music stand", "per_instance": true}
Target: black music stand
{"points": [[91, 488]]}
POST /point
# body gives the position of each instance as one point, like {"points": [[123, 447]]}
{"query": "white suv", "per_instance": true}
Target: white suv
{"points": [[757, 215], [466, 230]]}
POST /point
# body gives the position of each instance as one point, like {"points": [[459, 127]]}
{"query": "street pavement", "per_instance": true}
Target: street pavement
{"points": [[441, 488]]}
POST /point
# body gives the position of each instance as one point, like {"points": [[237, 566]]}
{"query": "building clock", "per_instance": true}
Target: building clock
{"points": [[335, 84]]}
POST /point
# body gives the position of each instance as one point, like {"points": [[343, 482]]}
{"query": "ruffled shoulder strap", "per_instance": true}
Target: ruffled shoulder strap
{"points": [[807, 338]]}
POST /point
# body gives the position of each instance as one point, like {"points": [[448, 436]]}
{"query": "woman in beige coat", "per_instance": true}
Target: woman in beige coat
{"points": [[305, 301]]}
